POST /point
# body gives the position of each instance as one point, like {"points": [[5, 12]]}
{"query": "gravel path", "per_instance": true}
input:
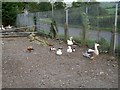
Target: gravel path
{"points": [[42, 68]]}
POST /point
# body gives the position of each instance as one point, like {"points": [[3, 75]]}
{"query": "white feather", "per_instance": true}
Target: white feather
{"points": [[59, 52], [8, 27], [2, 28], [86, 54], [52, 48], [91, 50], [69, 42], [69, 50]]}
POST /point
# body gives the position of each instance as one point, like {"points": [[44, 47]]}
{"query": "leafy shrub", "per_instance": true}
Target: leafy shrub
{"points": [[61, 36], [104, 44], [77, 39], [90, 43]]}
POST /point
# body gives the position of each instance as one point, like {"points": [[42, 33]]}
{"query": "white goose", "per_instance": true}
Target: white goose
{"points": [[89, 53], [70, 42], [69, 49], [59, 51], [8, 27], [2, 28]]}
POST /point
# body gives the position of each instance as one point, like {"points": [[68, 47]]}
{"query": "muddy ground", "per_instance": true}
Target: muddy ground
{"points": [[42, 68]]}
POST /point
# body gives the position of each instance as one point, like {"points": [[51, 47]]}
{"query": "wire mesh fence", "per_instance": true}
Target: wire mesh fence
{"points": [[101, 22]]}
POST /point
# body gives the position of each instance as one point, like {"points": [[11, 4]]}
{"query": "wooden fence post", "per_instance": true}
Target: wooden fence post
{"points": [[111, 51], [84, 36], [65, 32], [54, 30]]}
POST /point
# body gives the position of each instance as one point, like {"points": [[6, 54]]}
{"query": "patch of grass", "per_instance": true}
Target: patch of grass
{"points": [[43, 33], [100, 28], [46, 20], [77, 39], [90, 43], [104, 45], [118, 47], [61, 36], [111, 11]]}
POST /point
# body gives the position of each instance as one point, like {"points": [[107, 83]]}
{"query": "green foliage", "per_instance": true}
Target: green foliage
{"points": [[107, 22], [77, 39], [111, 11], [32, 29], [90, 43], [11, 9], [118, 47], [77, 4], [59, 5], [9, 13], [45, 6], [33, 6], [85, 25], [107, 4], [61, 36], [104, 44], [100, 15], [85, 21], [118, 24], [43, 32], [46, 20]]}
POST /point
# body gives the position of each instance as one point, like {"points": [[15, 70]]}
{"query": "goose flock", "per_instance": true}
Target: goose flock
{"points": [[7, 27], [89, 53], [69, 47]]}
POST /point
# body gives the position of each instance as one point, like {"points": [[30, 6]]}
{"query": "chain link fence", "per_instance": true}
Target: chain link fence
{"points": [[101, 22]]}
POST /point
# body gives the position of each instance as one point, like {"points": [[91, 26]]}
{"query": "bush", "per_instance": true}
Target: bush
{"points": [[61, 36], [90, 43], [77, 39], [104, 44]]}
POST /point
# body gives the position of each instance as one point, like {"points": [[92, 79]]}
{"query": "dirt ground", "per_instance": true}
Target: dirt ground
{"points": [[42, 68]]}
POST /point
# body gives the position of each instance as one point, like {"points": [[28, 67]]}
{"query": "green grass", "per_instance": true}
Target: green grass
{"points": [[43, 32], [111, 11], [118, 47], [61, 36], [46, 20], [90, 43]]}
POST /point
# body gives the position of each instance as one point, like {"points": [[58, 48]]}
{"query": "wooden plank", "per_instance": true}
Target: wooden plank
{"points": [[9, 36]]}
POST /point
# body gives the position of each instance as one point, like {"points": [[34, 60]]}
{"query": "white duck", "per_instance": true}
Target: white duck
{"points": [[59, 51], [70, 42], [69, 49], [2, 28], [8, 27], [89, 53], [73, 50], [52, 49]]}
